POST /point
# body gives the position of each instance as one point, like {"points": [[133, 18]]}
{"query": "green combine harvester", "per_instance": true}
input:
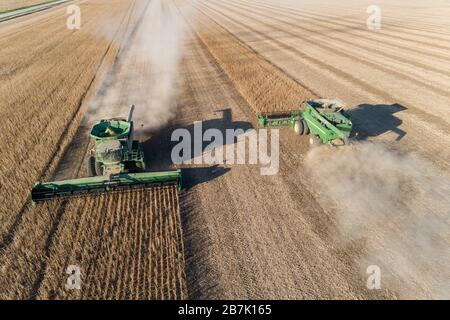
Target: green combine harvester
{"points": [[325, 120], [116, 163]]}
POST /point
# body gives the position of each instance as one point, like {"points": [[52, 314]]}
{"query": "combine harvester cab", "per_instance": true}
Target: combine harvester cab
{"points": [[115, 164], [115, 151], [325, 120]]}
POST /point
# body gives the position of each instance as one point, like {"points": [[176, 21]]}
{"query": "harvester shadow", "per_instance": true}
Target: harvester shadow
{"points": [[195, 175], [161, 140], [371, 120]]}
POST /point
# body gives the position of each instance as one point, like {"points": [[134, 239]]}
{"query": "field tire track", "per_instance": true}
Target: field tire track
{"points": [[292, 25], [356, 34], [315, 16], [297, 35], [442, 124]]}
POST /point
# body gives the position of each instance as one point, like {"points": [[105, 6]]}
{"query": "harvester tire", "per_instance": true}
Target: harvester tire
{"points": [[298, 127], [305, 127], [91, 167], [98, 169]]}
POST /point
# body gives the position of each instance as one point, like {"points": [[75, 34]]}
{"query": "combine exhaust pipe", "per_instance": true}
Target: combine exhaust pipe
{"points": [[130, 113]]}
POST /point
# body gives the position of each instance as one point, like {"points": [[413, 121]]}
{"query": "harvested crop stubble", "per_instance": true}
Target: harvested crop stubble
{"points": [[45, 73], [388, 75], [127, 245], [264, 86]]}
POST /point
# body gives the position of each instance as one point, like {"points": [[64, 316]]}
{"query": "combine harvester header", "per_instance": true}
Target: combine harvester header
{"points": [[116, 163]]}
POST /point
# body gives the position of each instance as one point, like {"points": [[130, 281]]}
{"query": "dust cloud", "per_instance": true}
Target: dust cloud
{"points": [[397, 205], [146, 72]]}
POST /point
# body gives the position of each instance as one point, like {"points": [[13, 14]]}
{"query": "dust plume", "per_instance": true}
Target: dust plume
{"points": [[397, 205], [146, 73]]}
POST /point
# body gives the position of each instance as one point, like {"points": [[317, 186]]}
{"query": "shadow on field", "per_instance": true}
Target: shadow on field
{"points": [[196, 176], [159, 147], [371, 120]]}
